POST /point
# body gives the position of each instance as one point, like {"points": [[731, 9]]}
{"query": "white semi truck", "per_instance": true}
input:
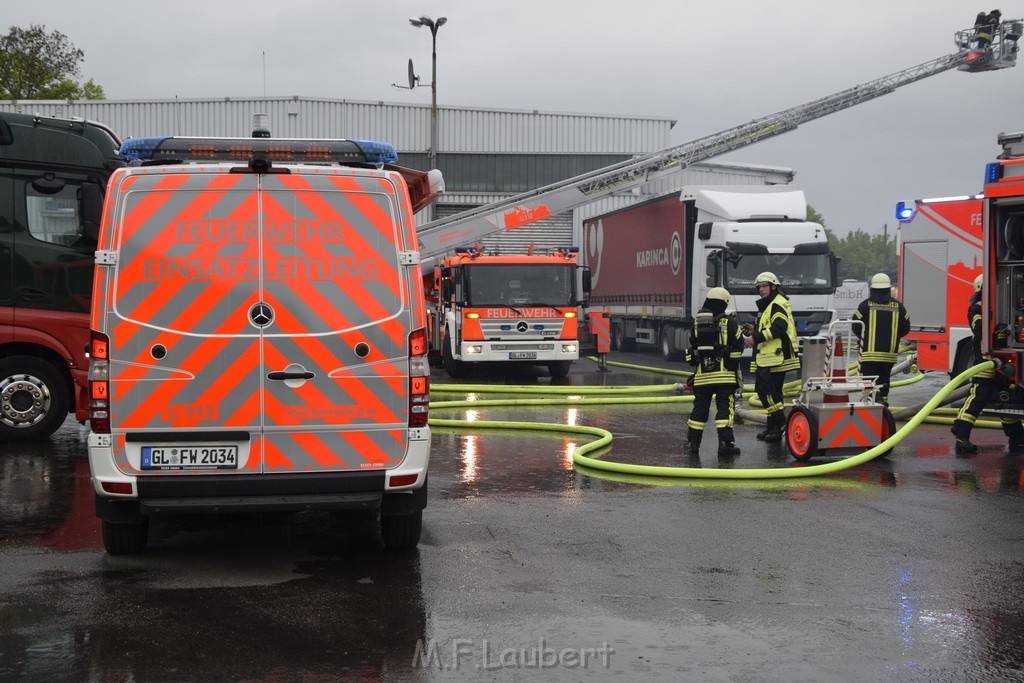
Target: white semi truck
{"points": [[652, 264]]}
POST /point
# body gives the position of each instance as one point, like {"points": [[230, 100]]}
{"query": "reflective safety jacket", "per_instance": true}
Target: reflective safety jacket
{"points": [[775, 334], [730, 340], [974, 320], [885, 323]]}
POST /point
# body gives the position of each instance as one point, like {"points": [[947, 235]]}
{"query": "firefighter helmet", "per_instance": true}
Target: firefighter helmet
{"points": [[977, 283], [881, 281], [719, 294], [766, 278]]}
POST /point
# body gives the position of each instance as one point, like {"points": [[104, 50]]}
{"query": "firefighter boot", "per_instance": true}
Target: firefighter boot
{"points": [[1015, 438], [727, 449], [962, 431], [692, 444], [776, 423]]}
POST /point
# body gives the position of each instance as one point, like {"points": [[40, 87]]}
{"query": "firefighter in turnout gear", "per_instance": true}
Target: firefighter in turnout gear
{"points": [[885, 323], [773, 338], [983, 386], [716, 346]]}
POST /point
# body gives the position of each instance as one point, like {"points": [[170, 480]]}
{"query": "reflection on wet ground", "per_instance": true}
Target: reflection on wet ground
{"points": [[903, 568]]}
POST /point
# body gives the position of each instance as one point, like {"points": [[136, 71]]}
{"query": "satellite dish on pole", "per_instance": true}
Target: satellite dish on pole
{"points": [[413, 79]]}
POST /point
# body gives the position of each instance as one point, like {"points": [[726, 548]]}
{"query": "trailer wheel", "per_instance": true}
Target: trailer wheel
{"points": [[888, 428], [620, 340], [456, 369], [669, 352], [802, 434], [34, 399]]}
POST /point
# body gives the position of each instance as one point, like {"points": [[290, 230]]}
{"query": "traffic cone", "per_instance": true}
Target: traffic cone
{"points": [[837, 373]]}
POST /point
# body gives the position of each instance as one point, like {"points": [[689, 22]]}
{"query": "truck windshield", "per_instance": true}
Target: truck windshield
{"points": [[517, 284], [798, 273]]}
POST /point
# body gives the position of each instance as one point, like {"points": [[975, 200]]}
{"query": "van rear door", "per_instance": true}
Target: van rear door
{"points": [[260, 320]]}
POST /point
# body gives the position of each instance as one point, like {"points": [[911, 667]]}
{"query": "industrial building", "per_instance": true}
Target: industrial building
{"points": [[484, 154]]}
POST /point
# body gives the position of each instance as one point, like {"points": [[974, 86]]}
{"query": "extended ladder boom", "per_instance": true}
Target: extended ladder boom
{"points": [[467, 227]]}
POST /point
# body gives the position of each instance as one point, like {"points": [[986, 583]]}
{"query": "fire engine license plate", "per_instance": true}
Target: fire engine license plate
{"points": [[522, 355], [190, 457]]}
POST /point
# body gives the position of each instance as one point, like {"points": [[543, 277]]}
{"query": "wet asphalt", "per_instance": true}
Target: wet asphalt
{"points": [[905, 568]]}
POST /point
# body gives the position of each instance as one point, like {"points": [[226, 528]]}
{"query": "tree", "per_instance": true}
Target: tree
{"points": [[862, 254], [36, 65]]}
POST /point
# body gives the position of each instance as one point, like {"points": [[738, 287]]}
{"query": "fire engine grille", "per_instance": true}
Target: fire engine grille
{"points": [[529, 328]]}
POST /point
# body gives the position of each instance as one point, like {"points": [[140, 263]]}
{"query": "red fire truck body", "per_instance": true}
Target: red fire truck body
{"points": [[1003, 293], [940, 248]]}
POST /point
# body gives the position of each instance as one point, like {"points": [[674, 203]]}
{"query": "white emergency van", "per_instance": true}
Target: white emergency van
{"points": [[258, 334]]}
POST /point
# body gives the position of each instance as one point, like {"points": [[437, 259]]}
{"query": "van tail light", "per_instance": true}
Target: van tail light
{"points": [[419, 379], [99, 383]]}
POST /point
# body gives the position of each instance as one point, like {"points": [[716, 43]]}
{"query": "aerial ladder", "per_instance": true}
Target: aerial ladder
{"points": [[997, 50]]}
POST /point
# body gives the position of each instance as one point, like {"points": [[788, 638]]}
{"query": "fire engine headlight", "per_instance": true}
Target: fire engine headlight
{"points": [[568, 348], [474, 349]]}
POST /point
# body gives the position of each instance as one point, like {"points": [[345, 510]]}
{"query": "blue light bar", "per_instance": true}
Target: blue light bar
{"points": [[993, 172], [281, 150], [904, 212], [139, 149], [377, 152]]}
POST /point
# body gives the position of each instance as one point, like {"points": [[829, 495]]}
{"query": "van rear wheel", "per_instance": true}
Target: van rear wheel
{"points": [[127, 538], [34, 399], [401, 532]]}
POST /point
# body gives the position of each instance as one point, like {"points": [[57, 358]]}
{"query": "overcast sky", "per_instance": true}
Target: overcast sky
{"points": [[708, 65]]}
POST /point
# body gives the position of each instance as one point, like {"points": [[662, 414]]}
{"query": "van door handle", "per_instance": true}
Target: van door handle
{"points": [[31, 294], [282, 375]]}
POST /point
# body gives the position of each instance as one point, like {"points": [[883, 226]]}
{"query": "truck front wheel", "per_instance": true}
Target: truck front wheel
{"points": [[559, 369], [34, 399], [456, 369], [621, 340], [669, 351]]}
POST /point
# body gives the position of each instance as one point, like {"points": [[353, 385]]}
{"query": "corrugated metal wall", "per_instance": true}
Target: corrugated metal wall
{"points": [[515, 147], [407, 126]]}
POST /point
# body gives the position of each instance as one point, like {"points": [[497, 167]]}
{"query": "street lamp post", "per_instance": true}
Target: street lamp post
{"points": [[433, 26]]}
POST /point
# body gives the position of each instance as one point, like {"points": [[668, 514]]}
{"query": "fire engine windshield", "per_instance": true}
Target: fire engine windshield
{"points": [[806, 271], [516, 284]]}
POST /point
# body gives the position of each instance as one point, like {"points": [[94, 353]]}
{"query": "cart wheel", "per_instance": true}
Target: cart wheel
{"points": [[888, 428], [802, 434]]}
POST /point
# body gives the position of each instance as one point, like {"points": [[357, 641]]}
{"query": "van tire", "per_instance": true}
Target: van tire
{"points": [[559, 369], [456, 369], [401, 532], [125, 538], [43, 382]]}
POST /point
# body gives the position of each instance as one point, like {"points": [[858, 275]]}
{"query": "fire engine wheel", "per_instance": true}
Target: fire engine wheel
{"points": [[888, 427], [34, 399], [125, 538], [456, 369], [401, 532], [559, 369], [802, 434]]}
